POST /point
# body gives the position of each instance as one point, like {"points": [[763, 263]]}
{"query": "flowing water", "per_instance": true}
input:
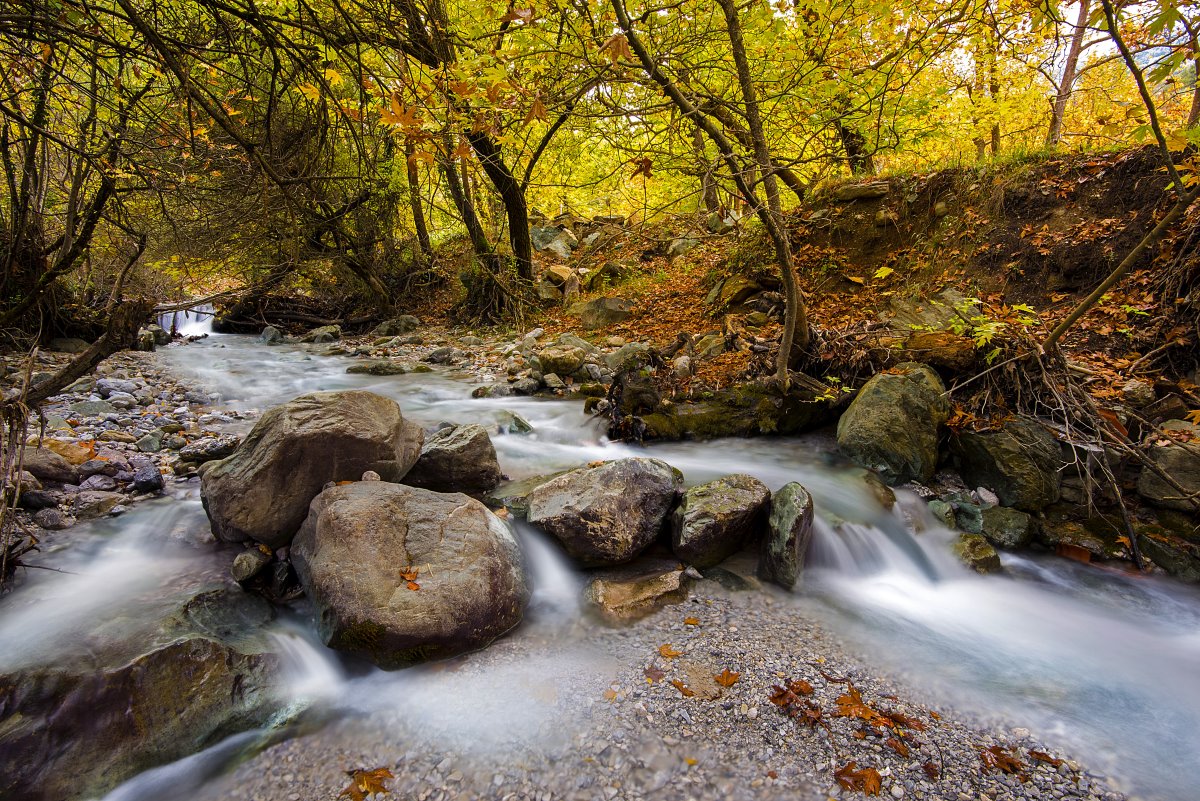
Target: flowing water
{"points": [[1104, 664]]}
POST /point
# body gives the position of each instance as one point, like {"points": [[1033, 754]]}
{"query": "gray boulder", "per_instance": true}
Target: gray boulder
{"points": [[262, 491], [1019, 462], [608, 514], [892, 425], [789, 532], [325, 333], [714, 520], [271, 336], [457, 459], [561, 359], [403, 575], [605, 311], [404, 324]]}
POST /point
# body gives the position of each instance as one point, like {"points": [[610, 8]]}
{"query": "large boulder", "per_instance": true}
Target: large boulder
{"points": [[714, 520], [1178, 459], [604, 311], [404, 324], [402, 575], [892, 425], [608, 514], [561, 359], [1019, 462], [457, 459], [134, 694], [262, 491], [789, 532]]}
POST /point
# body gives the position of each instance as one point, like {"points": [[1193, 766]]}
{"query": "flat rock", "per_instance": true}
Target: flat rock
{"points": [[630, 592]]}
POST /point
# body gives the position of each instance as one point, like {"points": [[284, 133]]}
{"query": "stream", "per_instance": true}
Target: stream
{"points": [[1102, 663]]}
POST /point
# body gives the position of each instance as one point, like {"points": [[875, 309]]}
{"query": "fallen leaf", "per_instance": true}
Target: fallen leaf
{"points": [[690, 761], [856, 279], [899, 746], [726, 678], [610, 694], [684, 690], [997, 758], [653, 673], [931, 770], [1042, 756], [366, 782], [668, 652], [867, 780], [691, 621], [414, 586]]}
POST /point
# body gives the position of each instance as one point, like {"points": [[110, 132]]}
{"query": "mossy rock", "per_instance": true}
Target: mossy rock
{"points": [[977, 553]]}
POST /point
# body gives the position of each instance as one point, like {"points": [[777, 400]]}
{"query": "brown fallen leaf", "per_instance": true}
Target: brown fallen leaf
{"points": [[1042, 756], [684, 690], [691, 621], [997, 758], [610, 694], [931, 770], [653, 673], [668, 652], [898, 745], [867, 780], [726, 678], [366, 782]]}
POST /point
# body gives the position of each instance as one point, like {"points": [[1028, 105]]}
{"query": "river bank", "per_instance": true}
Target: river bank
{"points": [[551, 668]]}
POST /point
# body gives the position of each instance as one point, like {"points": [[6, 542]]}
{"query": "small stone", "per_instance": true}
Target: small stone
{"points": [[53, 520], [370, 475], [248, 564], [148, 479]]}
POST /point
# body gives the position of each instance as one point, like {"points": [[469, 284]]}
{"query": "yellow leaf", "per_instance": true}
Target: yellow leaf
{"points": [[366, 782], [883, 272], [1194, 416], [856, 279], [691, 621], [333, 77]]}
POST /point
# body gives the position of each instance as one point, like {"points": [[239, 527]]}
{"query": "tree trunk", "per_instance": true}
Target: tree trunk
{"points": [[414, 201], [513, 197], [795, 319], [708, 187], [1070, 69]]}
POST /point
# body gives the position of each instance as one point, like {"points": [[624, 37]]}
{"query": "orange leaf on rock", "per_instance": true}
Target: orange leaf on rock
{"points": [[668, 652], [684, 690], [364, 783], [691, 621]]}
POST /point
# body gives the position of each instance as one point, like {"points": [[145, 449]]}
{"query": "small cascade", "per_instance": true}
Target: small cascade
{"points": [[555, 584], [193, 322]]}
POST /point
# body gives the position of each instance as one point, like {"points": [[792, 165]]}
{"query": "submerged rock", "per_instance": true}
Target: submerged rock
{"points": [[714, 520], [788, 536], [402, 575], [607, 515], [892, 425], [262, 491]]}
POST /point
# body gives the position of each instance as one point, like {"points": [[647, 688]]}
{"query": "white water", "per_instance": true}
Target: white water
{"points": [[189, 322], [1103, 664]]}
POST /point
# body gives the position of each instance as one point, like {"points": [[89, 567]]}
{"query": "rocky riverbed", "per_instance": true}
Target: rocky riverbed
{"points": [[596, 712], [572, 708]]}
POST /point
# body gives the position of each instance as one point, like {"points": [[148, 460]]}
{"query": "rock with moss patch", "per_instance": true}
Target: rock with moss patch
{"points": [[401, 575], [789, 532], [1178, 459], [715, 520], [1020, 462], [1007, 528], [892, 425], [977, 553]]}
